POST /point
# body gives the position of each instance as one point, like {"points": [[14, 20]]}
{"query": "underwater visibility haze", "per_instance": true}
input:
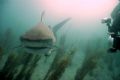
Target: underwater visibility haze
{"points": [[57, 40]]}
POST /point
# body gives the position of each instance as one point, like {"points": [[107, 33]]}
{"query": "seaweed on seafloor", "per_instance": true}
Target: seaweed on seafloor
{"points": [[32, 67], [116, 77], [61, 49], [25, 64], [28, 68], [8, 39], [7, 72], [13, 61], [1, 51], [1, 47], [60, 66], [59, 53], [90, 61], [87, 66], [6, 42], [61, 61], [5, 37], [62, 40], [112, 62], [11, 69]]}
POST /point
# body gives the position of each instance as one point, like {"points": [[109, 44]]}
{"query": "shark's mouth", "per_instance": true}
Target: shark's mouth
{"points": [[36, 50], [35, 40], [37, 46]]}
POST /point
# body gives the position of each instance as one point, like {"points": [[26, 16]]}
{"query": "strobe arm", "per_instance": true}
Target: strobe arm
{"points": [[107, 21]]}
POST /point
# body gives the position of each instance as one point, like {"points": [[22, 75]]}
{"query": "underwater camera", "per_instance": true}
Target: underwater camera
{"points": [[106, 20]]}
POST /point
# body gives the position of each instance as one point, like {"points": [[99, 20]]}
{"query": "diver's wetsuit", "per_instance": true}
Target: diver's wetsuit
{"points": [[115, 28]]}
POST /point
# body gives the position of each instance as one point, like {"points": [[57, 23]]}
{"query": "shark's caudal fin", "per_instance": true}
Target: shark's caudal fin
{"points": [[59, 25]]}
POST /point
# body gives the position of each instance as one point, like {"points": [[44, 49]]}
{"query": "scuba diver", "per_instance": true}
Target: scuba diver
{"points": [[114, 28]]}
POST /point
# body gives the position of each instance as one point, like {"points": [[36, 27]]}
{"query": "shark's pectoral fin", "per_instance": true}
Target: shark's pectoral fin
{"points": [[59, 25]]}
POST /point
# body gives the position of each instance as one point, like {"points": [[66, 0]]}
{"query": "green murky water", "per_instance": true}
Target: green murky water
{"points": [[79, 53]]}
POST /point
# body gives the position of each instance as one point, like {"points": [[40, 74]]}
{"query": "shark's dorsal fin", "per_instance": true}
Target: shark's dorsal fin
{"points": [[42, 14]]}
